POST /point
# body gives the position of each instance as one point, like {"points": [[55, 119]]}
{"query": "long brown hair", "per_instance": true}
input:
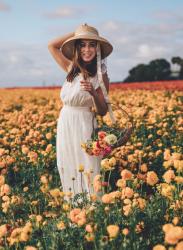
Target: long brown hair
{"points": [[79, 66]]}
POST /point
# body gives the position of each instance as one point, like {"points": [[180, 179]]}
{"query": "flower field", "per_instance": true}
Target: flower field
{"points": [[141, 209]]}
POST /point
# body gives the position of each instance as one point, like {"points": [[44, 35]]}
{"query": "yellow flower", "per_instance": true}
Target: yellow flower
{"points": [[105, 165], [112, 161], [66, 207], [121, 183], [61, 225], [167, 164], [113, 231], [81, 168], [166, 190], [178, 165], [55, 192]]}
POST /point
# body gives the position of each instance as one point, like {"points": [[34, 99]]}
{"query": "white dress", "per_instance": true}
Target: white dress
{"points": [[74, 126]]}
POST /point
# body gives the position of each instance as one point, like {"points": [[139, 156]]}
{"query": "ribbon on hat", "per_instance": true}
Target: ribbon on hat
{"points": [[102, 85]]}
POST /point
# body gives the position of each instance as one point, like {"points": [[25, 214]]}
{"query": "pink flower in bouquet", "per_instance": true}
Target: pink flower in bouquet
{"points": [[101, 134], [98, 144], [107, 150]]}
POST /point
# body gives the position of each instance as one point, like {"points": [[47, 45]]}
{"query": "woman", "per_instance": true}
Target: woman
{"points": [[79, 54]]}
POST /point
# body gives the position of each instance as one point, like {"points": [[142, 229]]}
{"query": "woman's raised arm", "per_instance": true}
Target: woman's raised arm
{"points": [[54, 48]]}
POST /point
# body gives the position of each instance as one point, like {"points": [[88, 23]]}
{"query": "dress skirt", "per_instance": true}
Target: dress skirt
{"points": [[74, 127]]}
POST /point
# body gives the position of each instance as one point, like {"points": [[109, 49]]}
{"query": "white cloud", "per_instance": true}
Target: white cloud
{"points": [[65, 12], [148, 51], [30, 64]]}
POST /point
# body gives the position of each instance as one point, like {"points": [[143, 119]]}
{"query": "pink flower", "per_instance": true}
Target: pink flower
{"points": [[107, 150]]}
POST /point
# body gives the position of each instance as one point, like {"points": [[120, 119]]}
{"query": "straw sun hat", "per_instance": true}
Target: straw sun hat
{"points": [[85, 31]]}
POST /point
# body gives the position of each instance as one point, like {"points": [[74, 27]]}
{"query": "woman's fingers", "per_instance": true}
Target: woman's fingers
{"points": [[86, 85]]}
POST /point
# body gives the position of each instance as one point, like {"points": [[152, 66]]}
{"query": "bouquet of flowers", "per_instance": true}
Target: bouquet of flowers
{"points": [[107, 135], [102, 141]]}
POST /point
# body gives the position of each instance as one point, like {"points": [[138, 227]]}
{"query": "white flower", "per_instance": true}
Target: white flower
{"points": [[111, 139]]}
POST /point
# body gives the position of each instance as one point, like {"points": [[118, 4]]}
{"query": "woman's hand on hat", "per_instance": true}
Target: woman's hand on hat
{"points": [[87, 86]]}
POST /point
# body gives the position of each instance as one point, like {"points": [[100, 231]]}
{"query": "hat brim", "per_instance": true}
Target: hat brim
{"points": [[68, 46]]}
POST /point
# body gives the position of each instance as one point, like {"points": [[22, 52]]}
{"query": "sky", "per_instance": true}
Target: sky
{"points": [[140, 31]]}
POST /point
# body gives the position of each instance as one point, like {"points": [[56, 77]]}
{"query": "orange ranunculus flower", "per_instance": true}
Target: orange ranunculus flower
{"points": [[152, 178], [106, 198], [2, 180], [176, 156], [169, 175], [125, 231], [121, 183], [127, 209], [25, 150], [173, 235], [113, 231], [127, 192], [159, 247], [5, 190], [178, 165], [126, 174], [179, 246], [30, 248], [3, 230], [48, 136], [44, 179], [73, 214], [143, 167], [89, 228], [97, 185]]}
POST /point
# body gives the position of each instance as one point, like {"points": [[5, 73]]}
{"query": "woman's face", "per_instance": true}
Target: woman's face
{"points": [[88, 49]]}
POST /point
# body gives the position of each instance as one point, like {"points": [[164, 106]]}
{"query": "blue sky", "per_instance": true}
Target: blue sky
{"points": [[140, 31]]}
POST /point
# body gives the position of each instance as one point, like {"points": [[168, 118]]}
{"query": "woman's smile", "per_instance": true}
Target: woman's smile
{"points": [[88, 50]]}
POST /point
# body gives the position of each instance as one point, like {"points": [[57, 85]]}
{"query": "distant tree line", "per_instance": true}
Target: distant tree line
{"points": [[156, 70]]}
